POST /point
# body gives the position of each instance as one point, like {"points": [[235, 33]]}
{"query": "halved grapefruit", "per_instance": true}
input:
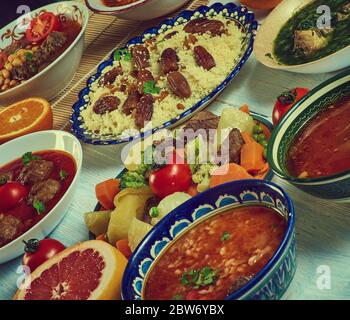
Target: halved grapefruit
{"points": [[90, 270]]}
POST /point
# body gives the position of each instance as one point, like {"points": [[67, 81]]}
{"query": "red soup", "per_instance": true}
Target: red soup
{"points": [[218, 256], [30, 187], [322, 148]]}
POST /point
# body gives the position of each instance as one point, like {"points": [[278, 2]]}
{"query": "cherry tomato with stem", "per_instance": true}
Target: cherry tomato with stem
{"points": [[37, 252]]}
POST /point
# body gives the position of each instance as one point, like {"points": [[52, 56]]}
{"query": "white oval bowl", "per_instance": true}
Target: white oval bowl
{"points": [[56, 76], [139, 10], [264, 43], [44, 140]]}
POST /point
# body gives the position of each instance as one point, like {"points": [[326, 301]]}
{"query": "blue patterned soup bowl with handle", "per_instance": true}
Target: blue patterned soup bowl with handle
{"points": [[269, 281], [329, 95]]}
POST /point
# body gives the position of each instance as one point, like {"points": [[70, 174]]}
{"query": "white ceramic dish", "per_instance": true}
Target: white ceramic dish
{"points": [[264, 43], [50, 81], [44, 140], [139, 10]]}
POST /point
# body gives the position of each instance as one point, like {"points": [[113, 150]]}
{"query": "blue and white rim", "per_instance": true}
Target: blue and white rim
{"points": [[241, 14]]}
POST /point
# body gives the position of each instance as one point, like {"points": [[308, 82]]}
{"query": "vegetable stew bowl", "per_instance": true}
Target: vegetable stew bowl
{"points": [[336, 187], [239, 14], [139, 9], [269, 283], [52, 79], [44, 140], [264, 44]]}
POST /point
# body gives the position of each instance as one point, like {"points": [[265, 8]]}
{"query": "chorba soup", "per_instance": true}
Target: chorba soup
{"points": [[322, 147], [217, 256]]}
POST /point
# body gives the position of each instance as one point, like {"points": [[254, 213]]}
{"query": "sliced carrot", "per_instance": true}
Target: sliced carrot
{"points": [[245, 109], [106, 192], [192, 190], [252, 158], [228, 172], [123, 247], [247, 137], [101, 237]]}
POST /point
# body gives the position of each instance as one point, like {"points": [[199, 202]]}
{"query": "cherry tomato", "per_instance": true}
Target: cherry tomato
{"points": [[11, 194], [41, 26], [37, 252], [169, 179], [3, 59], [286, 101]]}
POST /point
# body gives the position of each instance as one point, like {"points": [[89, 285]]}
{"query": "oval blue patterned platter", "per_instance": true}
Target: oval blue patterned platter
{"points": [[240, 14], [269, 283]]}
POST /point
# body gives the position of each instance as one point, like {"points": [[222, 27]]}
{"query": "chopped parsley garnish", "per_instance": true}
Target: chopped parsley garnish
{"points": [[150, 87], [63, 175], [225, 236], [199, 278], [177, 297], [39, 207], [122, 54], [28, 156], [29, 56]]}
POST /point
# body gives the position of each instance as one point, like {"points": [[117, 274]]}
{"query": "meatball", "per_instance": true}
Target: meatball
{"points": [[10, 226], [35, 171], [44, 191]]}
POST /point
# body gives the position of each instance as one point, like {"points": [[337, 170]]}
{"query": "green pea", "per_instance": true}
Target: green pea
{"points": [[265, 153], [261, 137], [255, 137], [154, 212], [264, 143], [258, 129]]}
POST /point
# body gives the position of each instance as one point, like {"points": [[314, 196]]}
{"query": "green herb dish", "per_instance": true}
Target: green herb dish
{"points": [[306, 36], [334, 187]]}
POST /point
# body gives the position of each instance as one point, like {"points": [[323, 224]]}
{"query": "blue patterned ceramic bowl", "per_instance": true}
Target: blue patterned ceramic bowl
{"points": [[336, 187], [240, 14], [270, 283]]}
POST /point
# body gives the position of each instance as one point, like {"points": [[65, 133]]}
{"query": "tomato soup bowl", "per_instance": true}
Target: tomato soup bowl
{"points": [[41, 141], [270, 282], [48, 82], [335, 187]]}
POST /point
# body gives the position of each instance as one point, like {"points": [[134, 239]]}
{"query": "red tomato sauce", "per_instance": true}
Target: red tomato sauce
{"points": [[24, 213], [322, 148], [218, 256]]}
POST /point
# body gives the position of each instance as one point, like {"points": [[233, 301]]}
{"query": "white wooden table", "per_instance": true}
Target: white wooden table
{"points": [[322, 227]]}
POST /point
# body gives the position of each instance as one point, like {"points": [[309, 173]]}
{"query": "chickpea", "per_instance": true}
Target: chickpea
{"points": [[4, 87], [12, 83], [8, 66], [11, 57], [17, 62], [23, 59], [5, 73], [7, 81], [21, 52]]}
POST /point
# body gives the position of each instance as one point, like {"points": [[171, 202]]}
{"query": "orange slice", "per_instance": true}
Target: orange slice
{"points": [[90, 270], [23, 117]]}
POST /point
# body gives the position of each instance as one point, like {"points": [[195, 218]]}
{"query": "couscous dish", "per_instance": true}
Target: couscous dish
{"points": [[151, 83]]}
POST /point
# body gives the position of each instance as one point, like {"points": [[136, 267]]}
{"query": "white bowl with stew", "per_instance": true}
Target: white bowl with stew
{"points": [[310, 147], [35, 215], [332, 57], [135, 9], [206, 249], [48, 77]]}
